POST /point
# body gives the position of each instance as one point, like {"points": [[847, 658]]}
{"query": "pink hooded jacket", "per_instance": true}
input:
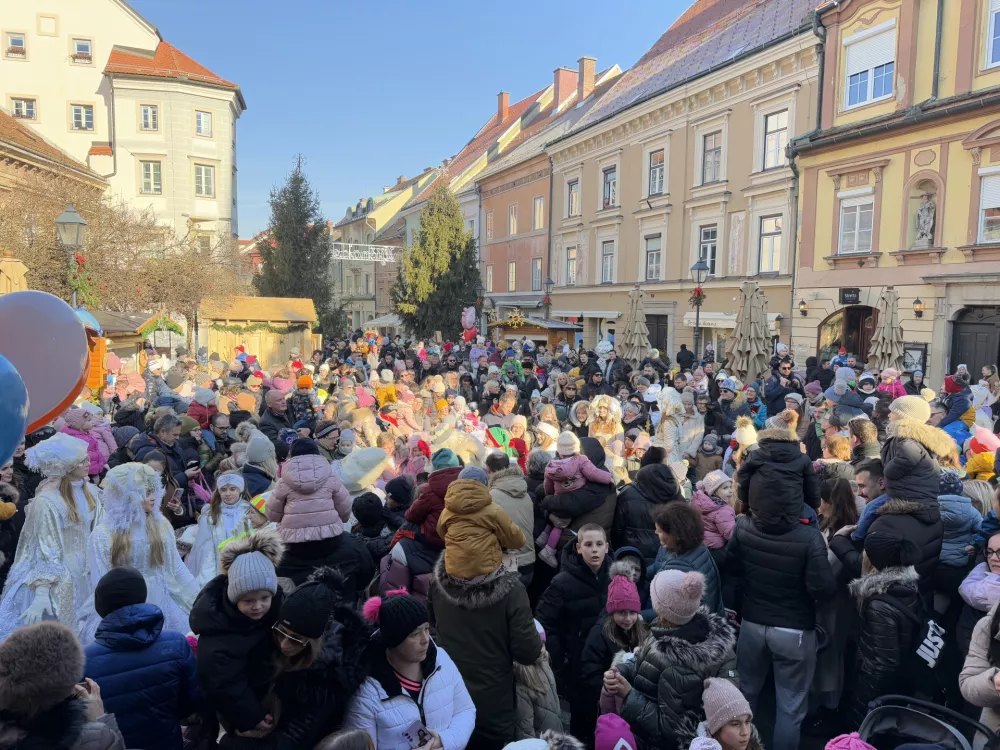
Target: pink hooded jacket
{"points": [[74, 419], [895, 389], [564, 475], [309, 501], [718, 518], [105, 440]]}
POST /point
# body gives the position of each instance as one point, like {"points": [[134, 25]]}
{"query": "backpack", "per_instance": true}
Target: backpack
{"points": [[933, 650]]}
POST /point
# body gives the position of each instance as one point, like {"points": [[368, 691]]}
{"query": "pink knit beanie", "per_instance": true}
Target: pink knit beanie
{"points": [[613, 733], [723, 702], [623, 595], [676, 596], [850, 741]]}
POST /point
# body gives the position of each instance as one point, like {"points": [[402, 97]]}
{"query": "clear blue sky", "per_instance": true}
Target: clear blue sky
{"points": [[369, 91]]}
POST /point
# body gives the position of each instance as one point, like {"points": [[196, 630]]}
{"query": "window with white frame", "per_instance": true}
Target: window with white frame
{"points": [[149, 116], [775, 139], [653, 254], [489, 279], [203, 243], [856, 221], [711, 158], [537, 213], [536, 274], [470, 225], [511, 219], [870, 66], [607, 261], [23, 109], [573, 197], [656, 164], [152, 180], [83, 51], [511, 276], [610, 187], [489, 225], [708, 238], [204, 180], [16, 46], [993, 41], [769, 244], [989, 209], [203, 123], [570, 266], [83, 116]]}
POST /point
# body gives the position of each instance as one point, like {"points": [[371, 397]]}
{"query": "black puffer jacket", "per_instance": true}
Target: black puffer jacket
{"points": [[568, 610], [909, 460], [920, 525], [654, 485], [348, 553], [887, 637], [668, 674], [776, 478]]}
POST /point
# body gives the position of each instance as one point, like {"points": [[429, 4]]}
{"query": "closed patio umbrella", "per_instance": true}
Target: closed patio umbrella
{"points": [[633, 341], [749, 347], [887, 342]]}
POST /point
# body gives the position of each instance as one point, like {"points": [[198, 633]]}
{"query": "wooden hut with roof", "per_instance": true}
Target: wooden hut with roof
{"points": [[268, 327]]}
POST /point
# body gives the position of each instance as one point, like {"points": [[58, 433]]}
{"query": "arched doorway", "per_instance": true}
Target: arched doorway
{"points": [[850, 327], [975, 339]]}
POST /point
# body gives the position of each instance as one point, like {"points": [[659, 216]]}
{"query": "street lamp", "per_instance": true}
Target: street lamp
{"points": [[70, 228], [548, 284], [698, 272], [918, 308]]}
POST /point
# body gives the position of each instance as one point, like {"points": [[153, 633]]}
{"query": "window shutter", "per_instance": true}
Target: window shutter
{"points": [[860, 200], [991, 191], [876, 50]]}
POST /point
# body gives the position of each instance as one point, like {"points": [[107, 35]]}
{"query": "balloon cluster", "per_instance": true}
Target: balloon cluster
{"points": [[44, 361]]}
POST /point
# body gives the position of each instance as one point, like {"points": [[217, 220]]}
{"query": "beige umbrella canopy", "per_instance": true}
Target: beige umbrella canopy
{"points": [[749, 348], [633, 342], [887, 343]]}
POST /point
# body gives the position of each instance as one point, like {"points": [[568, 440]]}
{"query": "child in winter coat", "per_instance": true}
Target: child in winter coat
{"points": [[79, 424], [537, 708], [309, 501], [709, 457], [959, 521], [979, 454], [303, 406], [713, 499], [891, 383], [203, 407], [371, 525], [563, 475], [220, 520], [476, 531], [101, 429]]}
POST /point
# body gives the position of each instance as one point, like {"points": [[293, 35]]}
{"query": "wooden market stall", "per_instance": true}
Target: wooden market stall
{"points": [[540, 330], [269, 327]]}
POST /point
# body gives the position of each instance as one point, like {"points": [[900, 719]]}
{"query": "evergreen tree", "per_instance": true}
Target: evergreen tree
{"points": [[296, 262], [439, 275]]}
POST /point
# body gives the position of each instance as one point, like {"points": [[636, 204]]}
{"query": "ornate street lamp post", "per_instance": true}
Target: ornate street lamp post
{"points": [[698, 272], [71, 228]]}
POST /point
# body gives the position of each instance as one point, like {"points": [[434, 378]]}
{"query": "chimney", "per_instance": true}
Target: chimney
{"points": [[400, 180], [585, 84], [564, 85], [503, 105]]}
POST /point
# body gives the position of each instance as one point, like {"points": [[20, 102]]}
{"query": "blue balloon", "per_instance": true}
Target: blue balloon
{"points": [[13, 410]]}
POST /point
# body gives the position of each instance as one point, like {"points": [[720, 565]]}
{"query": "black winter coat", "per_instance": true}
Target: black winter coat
{"points": [[774, 392], [668, 674], [654, 485], [785, 571], [919, 525], [568, 609], [257, 480], [909, 460], [235, 655], [485, 627], [776, 478], [175, 459], [271, 425], [685, 359], [887, 637], [345, 552]]}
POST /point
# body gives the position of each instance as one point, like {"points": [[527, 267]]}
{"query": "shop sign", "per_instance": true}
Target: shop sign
{"points": [[851, 296]]}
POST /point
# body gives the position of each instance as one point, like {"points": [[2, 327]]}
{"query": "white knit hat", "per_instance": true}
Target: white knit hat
{"points": [[259, 448], [361, 468], [745, 434], [56, 456], [546, 429], [567, 444], [386, 376]]}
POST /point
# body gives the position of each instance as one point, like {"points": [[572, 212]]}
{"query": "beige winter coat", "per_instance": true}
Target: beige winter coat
{"points": [[509, 490], [976, 678]]}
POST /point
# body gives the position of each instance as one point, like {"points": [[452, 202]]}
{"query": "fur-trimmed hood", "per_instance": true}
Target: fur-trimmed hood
{"points": [[509, 481], [706, 639], [777, 435], [880, 581], [265, 541], [924, 512], [59, 728], [572, 413], [473, 595], [934, 439]]}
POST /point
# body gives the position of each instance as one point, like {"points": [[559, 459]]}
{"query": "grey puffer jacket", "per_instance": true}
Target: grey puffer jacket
{"points": [[667, 674], [538, 707]]}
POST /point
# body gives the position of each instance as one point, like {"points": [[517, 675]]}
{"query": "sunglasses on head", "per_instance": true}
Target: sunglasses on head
{"points": [[282, 635]]}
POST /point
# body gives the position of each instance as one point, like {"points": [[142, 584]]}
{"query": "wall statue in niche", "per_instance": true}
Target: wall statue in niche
{"points": [[923, 217], [925, 221]]}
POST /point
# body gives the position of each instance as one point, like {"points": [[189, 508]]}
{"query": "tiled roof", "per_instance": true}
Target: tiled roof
{"points": [[19, 135], [100, 150], [291, 309], [480, 144], [166, 62], [710, 34]]}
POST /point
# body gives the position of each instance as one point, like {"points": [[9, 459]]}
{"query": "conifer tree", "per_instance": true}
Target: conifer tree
{"points": [[439, 275]]}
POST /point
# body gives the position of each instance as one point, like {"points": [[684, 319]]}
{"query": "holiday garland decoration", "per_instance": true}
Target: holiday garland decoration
{"points": [[81, 282], [256, 327], [160, 323], [697, 296]]}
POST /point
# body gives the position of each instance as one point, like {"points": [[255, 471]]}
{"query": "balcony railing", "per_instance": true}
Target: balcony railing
{"points": [[366, 253]]}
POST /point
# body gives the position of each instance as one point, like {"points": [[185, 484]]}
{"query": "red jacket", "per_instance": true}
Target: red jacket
{"points": [[427, 508], [202, 413]]}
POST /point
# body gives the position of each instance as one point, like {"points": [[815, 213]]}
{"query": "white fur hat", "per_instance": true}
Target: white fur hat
{"points": [[125, 487], [57, 456], [361, 468]]}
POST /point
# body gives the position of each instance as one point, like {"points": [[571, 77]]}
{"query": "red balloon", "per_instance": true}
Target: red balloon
{"points": [[45, 340]]}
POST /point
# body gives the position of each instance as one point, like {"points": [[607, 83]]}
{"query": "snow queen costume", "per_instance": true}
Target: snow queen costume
{"points": [[49, 579], [134, 533]]}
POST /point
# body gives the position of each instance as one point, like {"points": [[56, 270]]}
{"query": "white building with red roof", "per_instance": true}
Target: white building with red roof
{"points": [[97, 80]]}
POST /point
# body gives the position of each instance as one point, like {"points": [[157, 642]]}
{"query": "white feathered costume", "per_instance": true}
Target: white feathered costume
{"points": [[49, 578], [170, 586]]}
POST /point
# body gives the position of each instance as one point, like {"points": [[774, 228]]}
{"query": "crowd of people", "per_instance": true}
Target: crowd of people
{"points": [[471, 544]]}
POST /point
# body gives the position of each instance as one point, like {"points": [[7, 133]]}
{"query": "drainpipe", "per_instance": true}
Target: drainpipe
{"points": [[819, 30], [937, 49], [792, 153], [548, 245], [111, 133]]}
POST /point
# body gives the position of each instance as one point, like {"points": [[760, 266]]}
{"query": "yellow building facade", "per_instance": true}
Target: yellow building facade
{"points": [[900, 186]]}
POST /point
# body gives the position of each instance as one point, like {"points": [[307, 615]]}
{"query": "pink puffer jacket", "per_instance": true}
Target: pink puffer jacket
{"points": [[309, 501], [894, 389], [718, 518], [105, 440], [94, 453]]}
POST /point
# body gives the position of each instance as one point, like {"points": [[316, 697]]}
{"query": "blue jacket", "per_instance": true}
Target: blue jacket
{"points": [[868, 516], [958, 432], [990, 526], [700, 560], [958, 404], [148, 677], [960, 521]]}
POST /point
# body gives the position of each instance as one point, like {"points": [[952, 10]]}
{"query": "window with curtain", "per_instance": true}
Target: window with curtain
{"points": [[870, 68], [989, 209]]}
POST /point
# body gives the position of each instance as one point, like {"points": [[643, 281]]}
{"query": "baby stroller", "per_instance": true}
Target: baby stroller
{"points": [[894, 720]]}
